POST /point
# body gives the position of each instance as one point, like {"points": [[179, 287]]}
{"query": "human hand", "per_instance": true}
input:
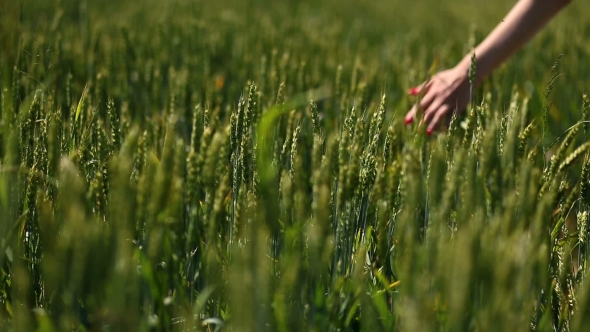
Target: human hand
{"points": [[446, 91]]}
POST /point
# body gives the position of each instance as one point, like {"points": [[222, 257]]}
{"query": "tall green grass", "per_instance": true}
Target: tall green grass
{"points": [[244, 167]]}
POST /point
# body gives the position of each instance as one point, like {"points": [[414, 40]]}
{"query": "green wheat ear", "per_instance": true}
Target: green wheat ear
{"points": [[75, 125], [267, 121], [547, 102], [81, 102], [472, 75], [586, 115]]}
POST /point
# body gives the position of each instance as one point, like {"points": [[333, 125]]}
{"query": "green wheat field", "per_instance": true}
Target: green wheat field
{"points": [[196, 165]]}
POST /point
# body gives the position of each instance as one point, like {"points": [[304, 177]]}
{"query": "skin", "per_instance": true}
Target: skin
{"points": [[449, 90]]}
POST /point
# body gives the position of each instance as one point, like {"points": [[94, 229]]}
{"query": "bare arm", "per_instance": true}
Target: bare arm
{"points": [[521, 24], [449, 89]]}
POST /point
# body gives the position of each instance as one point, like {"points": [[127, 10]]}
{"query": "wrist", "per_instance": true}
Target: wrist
{"points": [[464, 68]]}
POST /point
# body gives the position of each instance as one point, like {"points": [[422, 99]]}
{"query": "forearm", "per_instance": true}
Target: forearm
{"points": [[525, 19]]}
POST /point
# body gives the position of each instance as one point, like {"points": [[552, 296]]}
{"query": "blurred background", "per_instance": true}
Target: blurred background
{"points": [[411, 33]]}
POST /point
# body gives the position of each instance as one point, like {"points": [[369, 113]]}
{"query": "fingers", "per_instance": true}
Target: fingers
{"points": [[432, 110], [422, 105], [418, 89], [414, 91], [427, 101], [439, 114], [437, 98], [412, 113], [435, 111], [410, 116]]}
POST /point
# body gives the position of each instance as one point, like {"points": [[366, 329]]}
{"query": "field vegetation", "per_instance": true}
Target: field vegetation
{"points": [[243, 166]]}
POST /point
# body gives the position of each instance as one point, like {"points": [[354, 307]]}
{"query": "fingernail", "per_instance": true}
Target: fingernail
{"points": [[429, 131], [413, 91], [408, 120]]}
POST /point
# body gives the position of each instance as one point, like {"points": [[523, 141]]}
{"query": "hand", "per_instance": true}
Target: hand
{"points": [[445, 92]]}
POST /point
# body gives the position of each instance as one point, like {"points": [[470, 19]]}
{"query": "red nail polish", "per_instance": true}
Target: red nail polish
{"points": [[429, 131], [413, 91], [408, 120]]}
